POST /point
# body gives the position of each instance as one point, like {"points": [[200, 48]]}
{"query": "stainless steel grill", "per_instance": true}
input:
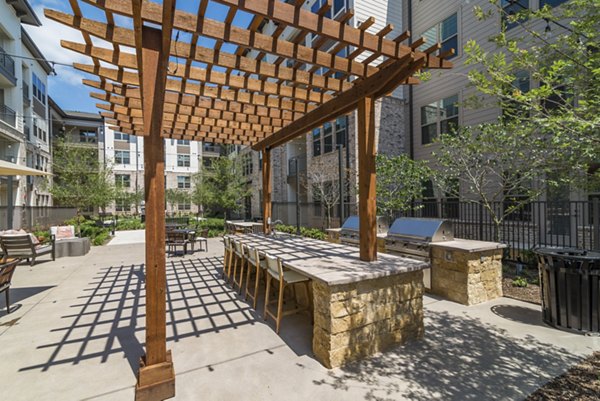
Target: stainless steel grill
{"points": [[349, 233], [411, 237]]}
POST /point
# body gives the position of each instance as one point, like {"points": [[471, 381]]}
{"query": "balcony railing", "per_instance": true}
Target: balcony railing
{"points": [[211, 148], [8, 115], [7, 66]]}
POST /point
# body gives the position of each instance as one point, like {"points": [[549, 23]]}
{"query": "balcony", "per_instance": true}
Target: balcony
{"points": [[26, 98], [7, 69], [211, 149], [8, 115], [296, 168]]}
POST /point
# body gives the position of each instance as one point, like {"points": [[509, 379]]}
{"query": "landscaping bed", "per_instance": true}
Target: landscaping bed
{"points": [[581, 382], [523, 286]]}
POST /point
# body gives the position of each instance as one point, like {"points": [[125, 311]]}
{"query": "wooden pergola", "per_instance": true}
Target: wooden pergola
{"points": [[271, 89]]}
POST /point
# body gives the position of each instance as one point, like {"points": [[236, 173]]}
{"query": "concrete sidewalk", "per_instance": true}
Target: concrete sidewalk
{"points": [[128, 237], [78, 333]]}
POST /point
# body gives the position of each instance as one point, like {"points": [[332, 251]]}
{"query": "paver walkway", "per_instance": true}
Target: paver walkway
{"points": [[77, 334]]}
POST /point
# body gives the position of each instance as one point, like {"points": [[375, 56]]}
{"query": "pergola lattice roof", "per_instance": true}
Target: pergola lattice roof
{"points": [[267, 90]]}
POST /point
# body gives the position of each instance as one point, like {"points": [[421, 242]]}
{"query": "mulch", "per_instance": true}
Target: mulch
{"points": [[581, 383], [531, 293]]}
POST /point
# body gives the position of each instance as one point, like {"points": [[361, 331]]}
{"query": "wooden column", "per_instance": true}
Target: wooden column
{"points": [[156, 377], [266, 176], [367, 205]]}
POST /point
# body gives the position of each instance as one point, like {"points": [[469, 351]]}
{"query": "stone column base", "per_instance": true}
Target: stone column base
{"points": [[360, 319], [155, 382]]}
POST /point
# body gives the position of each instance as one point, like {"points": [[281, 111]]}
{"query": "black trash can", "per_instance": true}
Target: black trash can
{"points": [[570, 281]]}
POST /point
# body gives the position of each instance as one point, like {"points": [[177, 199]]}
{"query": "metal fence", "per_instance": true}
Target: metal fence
{"points": [[566, 224], [32, 217]]}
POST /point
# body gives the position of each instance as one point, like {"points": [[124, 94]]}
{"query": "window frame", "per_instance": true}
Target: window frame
{"points": [[123, 180], [122, 159], [439, 119], [438, 35], [184, 160]]}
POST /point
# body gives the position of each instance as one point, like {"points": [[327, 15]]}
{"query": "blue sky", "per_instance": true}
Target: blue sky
{"points": [[66, 87]]}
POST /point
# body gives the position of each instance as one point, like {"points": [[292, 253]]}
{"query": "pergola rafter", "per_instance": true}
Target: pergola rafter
{"points": [[269, 89]]}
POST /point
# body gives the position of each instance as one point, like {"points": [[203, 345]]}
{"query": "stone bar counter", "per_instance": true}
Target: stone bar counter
{"points": [[360, 308], [465, 271]]}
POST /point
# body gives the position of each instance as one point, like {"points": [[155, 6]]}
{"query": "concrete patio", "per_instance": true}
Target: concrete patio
{"points": [[77, 332]]}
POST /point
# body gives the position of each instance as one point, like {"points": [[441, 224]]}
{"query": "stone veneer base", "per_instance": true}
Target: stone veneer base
{"points": [[360, 319]]}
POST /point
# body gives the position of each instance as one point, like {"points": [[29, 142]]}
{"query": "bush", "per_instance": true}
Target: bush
{"points": [[90, 228], [216, 226], [520, 282], [314, 233], [130, 223]]}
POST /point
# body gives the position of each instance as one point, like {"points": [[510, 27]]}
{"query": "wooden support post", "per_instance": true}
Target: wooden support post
{"points": [[156, 377], [367, 204], [266, 176]]}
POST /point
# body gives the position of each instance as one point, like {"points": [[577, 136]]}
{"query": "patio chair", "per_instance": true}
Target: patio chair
{"points": [[238, 256], [276, 272], [23, 246], [254, 261], [227, 257], [201, 237], [177, 239], [6, 271]]}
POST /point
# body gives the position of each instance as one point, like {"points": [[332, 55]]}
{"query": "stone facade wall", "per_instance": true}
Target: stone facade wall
{"points": [[390, 126], [361, 319], [466, 278]]}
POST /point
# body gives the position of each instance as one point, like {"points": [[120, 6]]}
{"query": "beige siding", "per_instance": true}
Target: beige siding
{"points": [[446, 83]]}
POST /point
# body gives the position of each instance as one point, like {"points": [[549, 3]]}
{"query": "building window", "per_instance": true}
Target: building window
{"points": [[437, 118], [316, 141], [429, 201], [119, 136], [512, 108], [184, 182], [551, 3], [516, 205], [183, 160], [88, 136], [512, 7], [207, 162], [341, 130], [123, 180], [247, 164], [184, 206], [39, 89], [122, 157], [122, 205], [445, 33], [260, 160], [183, 142], [327, 138]]}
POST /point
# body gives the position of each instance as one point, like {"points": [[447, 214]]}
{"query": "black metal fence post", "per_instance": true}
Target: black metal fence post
{"points": [[596, 223]]}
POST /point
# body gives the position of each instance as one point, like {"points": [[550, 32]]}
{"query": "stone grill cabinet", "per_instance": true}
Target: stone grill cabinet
{"points": [[570, 281]]}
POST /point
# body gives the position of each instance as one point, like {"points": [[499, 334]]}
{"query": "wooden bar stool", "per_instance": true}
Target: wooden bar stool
{"points": [[227, 257], [258, 265], [284, 277], [238, 252]]}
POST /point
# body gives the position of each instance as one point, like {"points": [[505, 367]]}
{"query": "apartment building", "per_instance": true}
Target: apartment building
{"points": [[24, 116], [125, 155], [435, 106], [314, 158]]}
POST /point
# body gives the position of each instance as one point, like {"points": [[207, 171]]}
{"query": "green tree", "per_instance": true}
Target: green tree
{"points": [[80, 180], [549, 132], [222, 186], [399, 182], [564, 107], [176, 196], [130, 196]]}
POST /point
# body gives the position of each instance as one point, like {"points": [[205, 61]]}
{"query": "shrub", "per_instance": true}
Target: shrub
{"points": [[314, 233], [130, 223], [90, 228], [520, 282], [216, 226]]}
